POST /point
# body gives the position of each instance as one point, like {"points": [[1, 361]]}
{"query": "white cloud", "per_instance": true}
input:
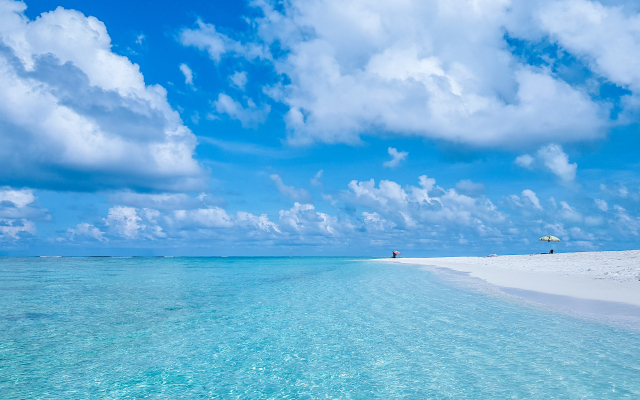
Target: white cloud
{"points": [[87, 231], [569, 213], [16, 198], [304, 220], [261, 223], [249, 116], [290, 191], [315, 181], [124, 221], [554, 159], [188, 74], [531, 195], [413, 207], [214, 217], [165, 201], [239, 79], [441, 69], [206, 37], [623, 191], [601, 204], [366, 216], [18, 209], [558, 162], [374, 222], [604, 36], [12, 228], [469, 188], [438, 69], [397, 157], [81, 116], [624, 222], [525, 161]]}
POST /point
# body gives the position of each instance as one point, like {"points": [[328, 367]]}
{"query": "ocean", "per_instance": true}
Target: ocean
{"points": [[290, 328]]}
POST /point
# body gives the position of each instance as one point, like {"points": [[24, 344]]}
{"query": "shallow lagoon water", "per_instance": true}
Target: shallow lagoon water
{"points": [[289, 328]]}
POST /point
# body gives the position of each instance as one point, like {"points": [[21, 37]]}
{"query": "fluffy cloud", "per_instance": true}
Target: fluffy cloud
{"points": [[553, 158], [466, 186], [73, 114], [531, 195], [84, 231], [421, 207], [438, 69], [261, 223], [315, 181], [18, 210], [397, 157], [249, 116], [188, 74], [302, 219], [602, 205], [124, 221], [214, 217], [525, 161], [290, 191], [558, 162], [367, 215], [606, 38], [165, 201], [205, 37], [239, 79]]}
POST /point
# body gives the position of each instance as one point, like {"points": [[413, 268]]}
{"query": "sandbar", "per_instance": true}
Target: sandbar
{"points": [[594, 277]]}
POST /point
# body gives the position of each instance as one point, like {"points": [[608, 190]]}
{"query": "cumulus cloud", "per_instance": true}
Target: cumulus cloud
{"points": [[303, 219], [558, 162], [239, 79], [466, 186], [374, 222], [315, 181], [553, 158], [249, 116], [165, 201], [602, 205], [214, 217], [397, 157], [290, 191], [569, 213], [366, 215], [606, 37], [124, 221], [188, 74], [85, 230], [18, 210], [437, 69], [625, 222], [205, 37], [73, 114], [413, 207], [531, 195], [525, 161], [261, 223]]}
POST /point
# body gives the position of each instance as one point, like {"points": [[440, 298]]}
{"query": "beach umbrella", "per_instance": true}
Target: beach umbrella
{"points": [[549, 239], [395, 253]]}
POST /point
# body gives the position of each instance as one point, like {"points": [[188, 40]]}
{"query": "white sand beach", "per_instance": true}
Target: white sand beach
{"points": [[611, 276]]}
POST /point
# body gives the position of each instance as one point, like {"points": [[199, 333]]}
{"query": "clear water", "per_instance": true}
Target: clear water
{"points": [[86, 328]]}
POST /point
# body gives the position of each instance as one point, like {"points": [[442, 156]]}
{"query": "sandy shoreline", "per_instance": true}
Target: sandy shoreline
{"points": [[593, 277]]}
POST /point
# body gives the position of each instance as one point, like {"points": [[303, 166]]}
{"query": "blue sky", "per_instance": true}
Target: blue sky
{"points": [[318, 127]]}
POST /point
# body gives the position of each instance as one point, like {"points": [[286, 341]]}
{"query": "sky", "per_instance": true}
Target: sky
{"points": [[318, 127]]}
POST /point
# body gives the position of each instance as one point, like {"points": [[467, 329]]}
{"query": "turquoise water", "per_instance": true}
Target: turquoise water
{"points": [[299, 328]]}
